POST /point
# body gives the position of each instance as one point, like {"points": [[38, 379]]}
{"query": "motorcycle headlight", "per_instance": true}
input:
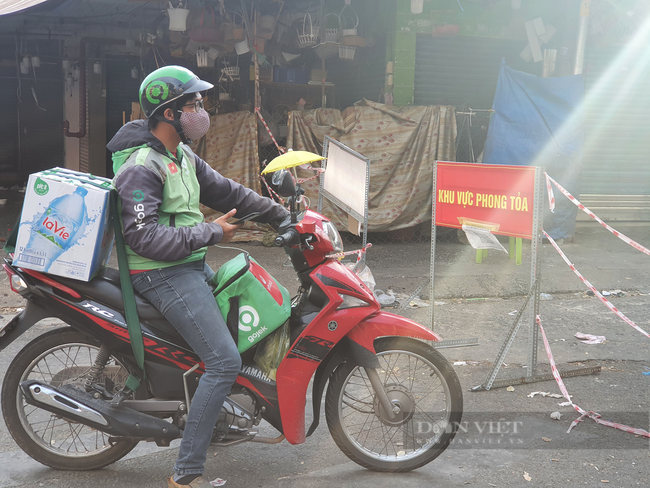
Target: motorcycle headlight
{"points": [[334, 236]]}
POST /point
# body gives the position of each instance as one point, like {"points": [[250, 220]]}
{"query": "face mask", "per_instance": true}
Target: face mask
{"points": [[195, 124]]}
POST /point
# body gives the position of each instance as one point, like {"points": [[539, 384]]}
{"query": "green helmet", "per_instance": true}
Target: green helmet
{"points": [[166, 84]]}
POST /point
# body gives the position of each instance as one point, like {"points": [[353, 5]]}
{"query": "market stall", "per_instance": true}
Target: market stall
{"points": [[402, 144]]}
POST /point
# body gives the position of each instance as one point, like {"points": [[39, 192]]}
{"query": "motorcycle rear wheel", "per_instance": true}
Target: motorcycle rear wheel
{"points": [[416, 378], [59, 357]]}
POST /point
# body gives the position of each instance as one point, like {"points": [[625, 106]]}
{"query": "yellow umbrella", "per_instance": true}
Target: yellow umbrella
{"points": [[291, 159]]}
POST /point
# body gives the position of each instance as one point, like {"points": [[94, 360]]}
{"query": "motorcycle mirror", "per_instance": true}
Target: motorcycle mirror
{"points": [[284, 182], [276, 178]]}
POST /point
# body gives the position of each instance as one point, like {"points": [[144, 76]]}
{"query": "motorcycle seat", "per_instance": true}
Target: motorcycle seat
{"points": [[105, 288]]}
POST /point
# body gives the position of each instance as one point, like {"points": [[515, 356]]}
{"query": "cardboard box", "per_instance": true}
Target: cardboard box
{"points": [[65, 225], [266, 73]]}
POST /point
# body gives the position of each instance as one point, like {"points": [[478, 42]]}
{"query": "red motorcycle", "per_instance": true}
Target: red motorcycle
{"points": [[393, 402]]}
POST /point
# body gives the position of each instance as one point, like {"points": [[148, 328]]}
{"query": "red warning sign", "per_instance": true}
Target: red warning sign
{"points": [[489, 193]]}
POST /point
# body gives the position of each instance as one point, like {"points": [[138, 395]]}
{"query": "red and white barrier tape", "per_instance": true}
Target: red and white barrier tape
{"points": [[596, 417], [575, 201], [306, 166], [554, 370], [358, 252], [551, 197], [259, 114], [271, 191], [591, 287], [302, 180], [318, 172]]}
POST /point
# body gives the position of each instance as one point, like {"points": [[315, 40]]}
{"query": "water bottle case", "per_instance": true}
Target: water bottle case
{"points": [[252, 302], [65, 228]]}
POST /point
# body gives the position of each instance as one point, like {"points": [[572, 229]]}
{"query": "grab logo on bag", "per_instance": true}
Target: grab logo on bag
{"points": [[267, 281]]}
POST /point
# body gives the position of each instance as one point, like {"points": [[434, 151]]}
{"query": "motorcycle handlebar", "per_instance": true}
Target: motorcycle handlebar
{"points": [[287, 238]]}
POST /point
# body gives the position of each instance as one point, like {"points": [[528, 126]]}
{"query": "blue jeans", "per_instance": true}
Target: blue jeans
{"points": [[182, 294]]}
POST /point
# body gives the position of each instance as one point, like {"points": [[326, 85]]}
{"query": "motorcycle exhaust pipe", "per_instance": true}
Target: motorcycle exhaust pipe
{"points": [[78, 406], [59, 403]]}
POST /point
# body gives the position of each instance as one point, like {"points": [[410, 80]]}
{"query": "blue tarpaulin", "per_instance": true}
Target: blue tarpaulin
{"points": [[539, 121]]}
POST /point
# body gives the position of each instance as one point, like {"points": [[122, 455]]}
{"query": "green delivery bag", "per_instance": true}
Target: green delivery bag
{"points": [[251, 301]]}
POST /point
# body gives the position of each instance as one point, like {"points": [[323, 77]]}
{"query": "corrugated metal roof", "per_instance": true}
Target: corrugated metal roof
{"points": [[84, 13]]}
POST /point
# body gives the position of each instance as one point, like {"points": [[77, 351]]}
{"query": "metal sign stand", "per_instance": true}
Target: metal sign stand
{"points": [[533, 310], [344, 206], [433, 242], [430, 281]]}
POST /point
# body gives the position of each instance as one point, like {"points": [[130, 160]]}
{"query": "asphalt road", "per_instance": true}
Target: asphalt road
{"points": [[486, 453]]}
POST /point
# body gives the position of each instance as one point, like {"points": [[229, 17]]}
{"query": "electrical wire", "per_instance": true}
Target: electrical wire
{"points": [[19, 90], [36, 100], [230, 247]]}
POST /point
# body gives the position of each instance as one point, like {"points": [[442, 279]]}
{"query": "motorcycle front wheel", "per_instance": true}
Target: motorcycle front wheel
{"points": [[423, 386], [60, 357]]}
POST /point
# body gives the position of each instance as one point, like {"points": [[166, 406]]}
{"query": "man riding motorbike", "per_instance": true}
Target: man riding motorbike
{"points": [[161, 183]]}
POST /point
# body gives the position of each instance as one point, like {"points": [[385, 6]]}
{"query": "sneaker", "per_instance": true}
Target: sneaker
{"points": [[199, 482]]}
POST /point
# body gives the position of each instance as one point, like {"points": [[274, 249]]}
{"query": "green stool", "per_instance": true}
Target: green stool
{"points": [[513, 242]]}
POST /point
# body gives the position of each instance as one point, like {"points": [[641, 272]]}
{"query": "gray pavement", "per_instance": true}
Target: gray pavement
{"points": [[476, 300]]}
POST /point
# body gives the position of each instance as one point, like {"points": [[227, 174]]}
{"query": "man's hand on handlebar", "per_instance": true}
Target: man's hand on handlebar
{"points": [[289, 238], [228, 229]]}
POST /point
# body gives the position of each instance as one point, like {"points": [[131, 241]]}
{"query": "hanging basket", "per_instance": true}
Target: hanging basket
{"points": [[309, 37], [202, 58], [206, 34], [177, 19], [264, 25], [192, 47], [331, 33], [349, 22], [347, 52], [326, 50], [233, 30], [224, 96], [231, 72]]}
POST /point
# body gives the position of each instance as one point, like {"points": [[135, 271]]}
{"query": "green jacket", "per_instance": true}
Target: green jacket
{"points": [[160, 197]]}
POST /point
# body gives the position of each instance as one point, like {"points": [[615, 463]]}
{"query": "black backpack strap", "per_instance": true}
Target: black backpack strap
{"points": [[232, 320]]}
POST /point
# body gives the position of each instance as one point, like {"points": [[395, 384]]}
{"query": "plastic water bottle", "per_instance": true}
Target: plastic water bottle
{"points": [[58, 228]]}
